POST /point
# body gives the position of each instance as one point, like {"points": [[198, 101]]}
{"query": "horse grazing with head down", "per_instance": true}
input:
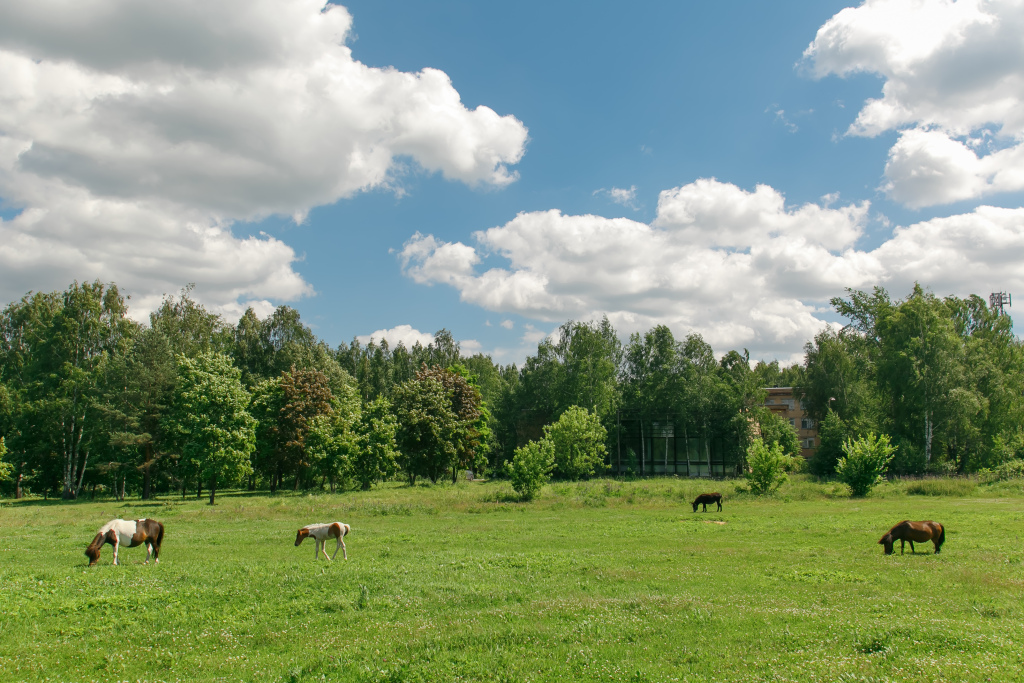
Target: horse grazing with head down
{"points": [[706, 498], [908, 532], [130, 532], [320, 533]]}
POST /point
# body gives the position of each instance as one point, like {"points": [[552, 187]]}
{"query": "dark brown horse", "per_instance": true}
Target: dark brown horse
{"points": [[128, 532], [908, 532], [706, 498]]}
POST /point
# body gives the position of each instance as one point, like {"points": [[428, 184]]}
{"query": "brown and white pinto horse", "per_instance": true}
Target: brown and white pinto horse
{"points": [[127, 532], [320, 533], [908, 532]]}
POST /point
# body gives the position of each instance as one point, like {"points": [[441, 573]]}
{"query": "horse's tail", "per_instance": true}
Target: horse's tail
{"points": [[345, 528], [942, 537], [160, 536]]}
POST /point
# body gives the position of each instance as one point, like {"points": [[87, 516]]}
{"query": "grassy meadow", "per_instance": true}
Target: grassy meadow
{"points": [[596, 581]]}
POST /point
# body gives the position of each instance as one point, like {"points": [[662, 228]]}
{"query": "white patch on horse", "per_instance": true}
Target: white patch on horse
{"points": [[321, 532], [124, 530]]}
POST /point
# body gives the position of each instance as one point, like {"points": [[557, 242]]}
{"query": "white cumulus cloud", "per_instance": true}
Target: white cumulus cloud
{"points": [[740, 267], [951, 70], [142, 132], [404, 334]]}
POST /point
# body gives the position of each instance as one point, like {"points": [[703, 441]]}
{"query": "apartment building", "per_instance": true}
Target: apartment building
{"points": [[783, 402]]}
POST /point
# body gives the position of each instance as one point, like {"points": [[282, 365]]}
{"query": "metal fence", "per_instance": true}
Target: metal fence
{"points": [[666, 445]]}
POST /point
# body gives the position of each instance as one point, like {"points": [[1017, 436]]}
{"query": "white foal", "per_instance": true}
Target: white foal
{"points": [[320, 533]]}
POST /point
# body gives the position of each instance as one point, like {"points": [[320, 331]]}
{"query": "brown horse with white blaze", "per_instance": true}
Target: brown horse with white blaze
{"points": [[129, 532], [908, 532]]}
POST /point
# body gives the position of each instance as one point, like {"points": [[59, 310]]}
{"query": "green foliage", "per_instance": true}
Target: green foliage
{"points": [[776, 430], [429, 432], [865, 462], [5, 467], [531, 468], [766, 467], [570, 564], [578, 441], [376, 449], [1008, 471], [209, 422], [307, 396], [940, 487], [832, 434]]}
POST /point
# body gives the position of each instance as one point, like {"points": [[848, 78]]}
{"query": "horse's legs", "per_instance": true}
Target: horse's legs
{"points": [[341, 544], [719, 505], [316, 553], [903, 544], [149, 551], [116, 544], [912, 546]]}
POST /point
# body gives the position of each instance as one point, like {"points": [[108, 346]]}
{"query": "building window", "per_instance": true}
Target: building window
{"points": [[806, 423], [792, 422], [770, 402], [807, 443]]}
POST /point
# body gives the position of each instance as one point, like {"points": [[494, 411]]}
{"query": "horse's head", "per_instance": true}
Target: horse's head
{"points": [[695, 504], [301, 536], [93, 551], [887, 542]]}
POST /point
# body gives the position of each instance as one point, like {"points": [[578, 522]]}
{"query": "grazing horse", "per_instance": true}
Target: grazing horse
{"points": [[907, 531], [130, 532], [706, 498], [320, 533]]}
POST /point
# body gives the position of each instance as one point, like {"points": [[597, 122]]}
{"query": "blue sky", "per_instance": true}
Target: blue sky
{"points": [[165, 180]]}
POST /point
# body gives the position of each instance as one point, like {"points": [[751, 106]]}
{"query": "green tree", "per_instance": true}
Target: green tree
{"points": [[376, 449], [136, 392], [776, 430], [188, 327], [531, 468], [306, 397], [766, 467], [429, 431], [865, 463], [209, 422], [6, 468], [578, 440], [64, 371], [832, 434], [266, 406]]}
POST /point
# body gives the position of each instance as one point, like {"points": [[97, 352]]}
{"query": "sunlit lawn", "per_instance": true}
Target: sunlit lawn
{"points": [[606, 580]]}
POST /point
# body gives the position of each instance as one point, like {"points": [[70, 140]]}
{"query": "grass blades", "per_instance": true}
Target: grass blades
{"points": [[596, 581]]}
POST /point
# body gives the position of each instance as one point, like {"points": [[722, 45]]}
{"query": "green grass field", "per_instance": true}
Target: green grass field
{"points": [[600, 581]]}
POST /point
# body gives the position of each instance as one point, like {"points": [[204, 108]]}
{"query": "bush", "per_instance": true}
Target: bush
{"points": [[865, 463], [794, 464], [766, 467], [578, 439], [1013, 469], [531, 468]]}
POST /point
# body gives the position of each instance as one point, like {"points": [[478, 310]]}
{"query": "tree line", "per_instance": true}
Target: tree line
{"points": [[190, 402]]}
